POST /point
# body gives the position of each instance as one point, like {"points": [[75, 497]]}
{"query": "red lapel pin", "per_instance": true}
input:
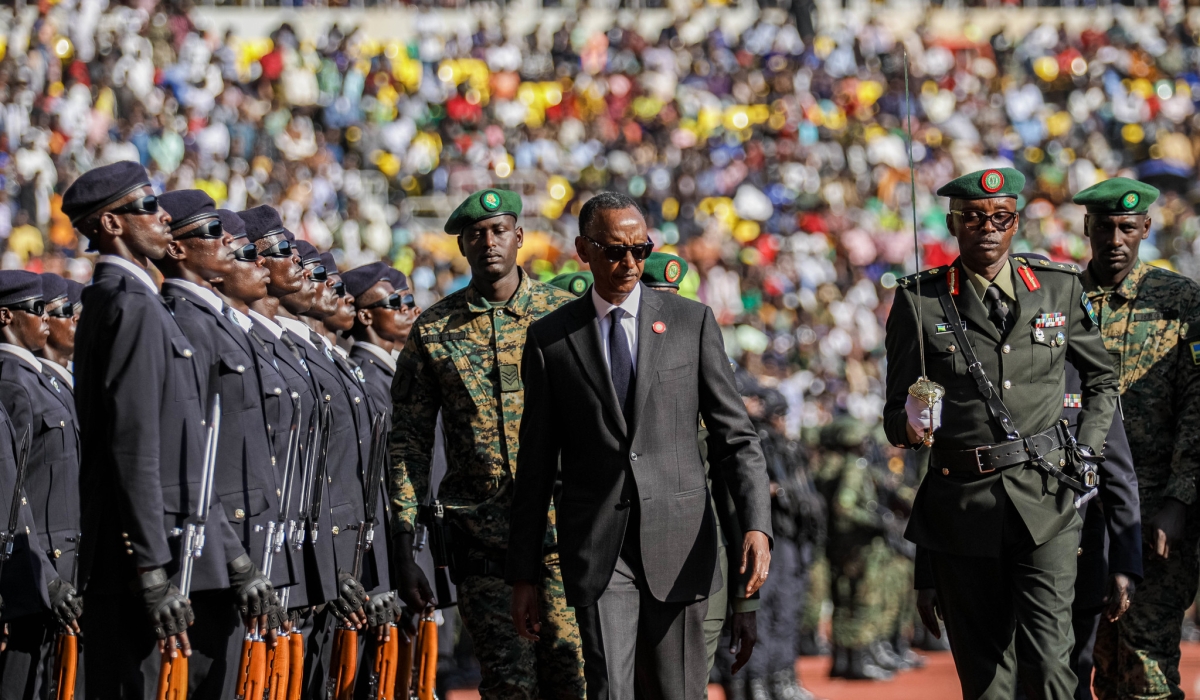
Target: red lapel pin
{"points": [[659, 327]]}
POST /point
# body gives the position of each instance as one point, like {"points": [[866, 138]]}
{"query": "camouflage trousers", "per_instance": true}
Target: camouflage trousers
{"points": [[514, 668], [1137, 657], [899, 604], [857, 586], [815, 596]]}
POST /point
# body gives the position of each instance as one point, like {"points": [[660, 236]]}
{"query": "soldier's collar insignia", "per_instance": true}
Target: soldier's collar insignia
{"points": [[1130, 200], [359, 373], [54, 383], [1030, 279], [992, 181], [490, 200], [1195, 348]]}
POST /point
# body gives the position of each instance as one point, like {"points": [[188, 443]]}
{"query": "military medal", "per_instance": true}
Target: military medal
{"points": [[1060, 338], [1072, 401], [925, 389]]}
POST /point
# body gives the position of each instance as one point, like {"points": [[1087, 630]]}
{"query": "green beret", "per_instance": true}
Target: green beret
{"points": [[985, 184], [576, 283], [1118, 195], [481, 205], [664, 270]]}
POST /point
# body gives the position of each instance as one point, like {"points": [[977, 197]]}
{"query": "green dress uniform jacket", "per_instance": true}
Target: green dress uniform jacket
{"points": [[964, 515]]}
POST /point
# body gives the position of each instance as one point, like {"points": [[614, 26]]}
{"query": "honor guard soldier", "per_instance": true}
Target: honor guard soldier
{"points": [[245, 480], [463, 359], [378, 326], [290, 290], [38, 404], [1149, 319], [142, 422], [62, 313], [995, 518], [411, 311]]}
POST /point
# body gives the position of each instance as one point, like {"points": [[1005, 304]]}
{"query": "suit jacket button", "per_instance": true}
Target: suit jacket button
{"points": [[945, 471], [633, 456], [335, 530], [1079, 552], [129, 552], [57, 553], [357, 400], [239, 513], [1007, 384], [62, 424], [1006, 349], [241, 368], [278, 391], [187, 353], [951, 348]]}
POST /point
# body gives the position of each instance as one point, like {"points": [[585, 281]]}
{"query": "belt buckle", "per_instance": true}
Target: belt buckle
{"points": [[979, 460]]}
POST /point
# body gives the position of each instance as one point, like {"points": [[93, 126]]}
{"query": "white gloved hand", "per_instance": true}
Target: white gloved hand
{"points": [[920, 414]]}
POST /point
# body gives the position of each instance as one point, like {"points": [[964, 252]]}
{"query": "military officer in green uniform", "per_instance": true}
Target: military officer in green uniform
{"points": [[463, 358], [994, 519], [1149, 319]]}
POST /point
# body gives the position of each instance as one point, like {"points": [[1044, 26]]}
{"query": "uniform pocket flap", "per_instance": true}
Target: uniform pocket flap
{"points": [[174, 500], [182, 347], [239, 505], [666, 375], [54, 419], [233, 362], [344, 518]]}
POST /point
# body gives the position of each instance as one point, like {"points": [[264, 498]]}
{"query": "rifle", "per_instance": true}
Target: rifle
{"points": [[387, 653], [173, 673], [427, 651], [340, 685], [257, 663], [66, 652], [9, 537]]}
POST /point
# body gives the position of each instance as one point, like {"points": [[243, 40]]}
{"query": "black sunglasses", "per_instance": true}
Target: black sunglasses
{"points": [[67, 310], [616, 253], [140, 206], [37, 307], [339, 289], [394, 301], [246, 253], [210, 230], [974, 219], [282, 249], [319, 274]]}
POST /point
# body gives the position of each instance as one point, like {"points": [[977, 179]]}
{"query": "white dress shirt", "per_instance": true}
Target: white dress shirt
{"points": [[207, 295], [384, 356], [23, 354], [62, 372], [629, 322], [273, 328], [300, 328], [241, 320], [131, 267]]}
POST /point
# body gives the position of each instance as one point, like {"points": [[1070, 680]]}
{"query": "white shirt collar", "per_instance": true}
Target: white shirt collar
{"points": [[630, 305], [242, 320], [300, 328], [274, 328], [384, 356], [209, 296], [130, 267], [23, 354], [62, 372]]}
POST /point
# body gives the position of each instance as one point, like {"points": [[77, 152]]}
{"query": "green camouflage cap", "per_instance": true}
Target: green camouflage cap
{"points": [[1118, 195], [481, 205], [664, 270], [985, 184], [576, 283]]}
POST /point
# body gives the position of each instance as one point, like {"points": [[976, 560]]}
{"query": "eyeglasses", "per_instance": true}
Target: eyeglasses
{"points": [[974, 219], [141, 206], [616, 253], [67, 310], [37, 307], [210, 230], [282, 249], [394, 301], [319, 274], [246, 253], [339, 289]]}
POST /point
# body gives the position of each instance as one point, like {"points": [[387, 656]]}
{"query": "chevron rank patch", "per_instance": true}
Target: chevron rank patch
{"points": [[1053, 320], [510, 378], [1072, 401], [1195, 348]]}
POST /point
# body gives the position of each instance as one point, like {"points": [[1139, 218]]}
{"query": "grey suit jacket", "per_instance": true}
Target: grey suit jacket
{"points": [[571, 410]]}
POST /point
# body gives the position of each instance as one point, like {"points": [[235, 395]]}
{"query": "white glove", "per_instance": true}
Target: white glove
{"points": [[921, 415]]}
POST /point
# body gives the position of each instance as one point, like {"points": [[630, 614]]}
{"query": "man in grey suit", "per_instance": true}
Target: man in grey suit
{"points": [[614, 382]]}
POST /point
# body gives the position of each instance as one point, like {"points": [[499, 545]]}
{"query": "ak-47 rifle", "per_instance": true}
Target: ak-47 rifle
{"points": [[427, 653], [262, 672], [297, 530], [173, 673], [66, 651], [9, 536], [344, 656], [382, 681]]}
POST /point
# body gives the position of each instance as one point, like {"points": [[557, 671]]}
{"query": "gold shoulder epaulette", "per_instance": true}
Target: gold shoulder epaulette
{"points": [[923, 275], [1042, 264]]}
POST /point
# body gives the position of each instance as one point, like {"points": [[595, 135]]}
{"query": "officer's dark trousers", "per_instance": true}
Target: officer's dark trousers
{"points": [[27, 665], [1085, 623], [123, 659], [1011, 612], [318, 629]]}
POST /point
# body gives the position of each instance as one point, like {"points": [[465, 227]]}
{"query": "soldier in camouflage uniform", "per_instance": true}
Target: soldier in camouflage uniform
{"points": [[1150, 321], [463, 358]]}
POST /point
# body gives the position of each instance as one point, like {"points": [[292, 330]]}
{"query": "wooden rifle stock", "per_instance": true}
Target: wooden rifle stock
{"points": [[252, 668], [345, 664], [404, 667], [173, 677], [385, 665], [279, 668], [66, 663], [427, 650], [295, 685]]}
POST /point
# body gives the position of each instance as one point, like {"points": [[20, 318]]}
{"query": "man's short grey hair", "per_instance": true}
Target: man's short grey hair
{"points": [[604, 201]]}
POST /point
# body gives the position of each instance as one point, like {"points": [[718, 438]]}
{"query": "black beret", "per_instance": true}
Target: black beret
{"points": [[330, 264], [308, 252], [399, 281], [262, 221], [74, 291], [232, 223], [187, 207], [17, 286], [53, 286], [100, 187], [360, 279]]}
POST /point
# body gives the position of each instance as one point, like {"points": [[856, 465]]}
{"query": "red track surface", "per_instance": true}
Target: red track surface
{"points": [[937, 681]]}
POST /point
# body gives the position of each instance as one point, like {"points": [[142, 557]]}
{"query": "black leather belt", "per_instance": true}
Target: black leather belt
{"points": [[991, 458]]}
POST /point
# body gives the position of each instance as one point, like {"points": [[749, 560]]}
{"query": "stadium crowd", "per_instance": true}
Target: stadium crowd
{"points": [[775, 164]]}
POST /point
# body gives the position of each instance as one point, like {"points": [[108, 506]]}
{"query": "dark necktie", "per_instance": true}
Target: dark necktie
{"points": [[997, 307], [291, 345], [619, 360]]}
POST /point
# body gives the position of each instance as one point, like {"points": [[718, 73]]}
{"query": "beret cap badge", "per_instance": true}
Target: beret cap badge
{"points": [[1130, 200], [992, 181], [578, 285], [671, 273], [490, 200]]}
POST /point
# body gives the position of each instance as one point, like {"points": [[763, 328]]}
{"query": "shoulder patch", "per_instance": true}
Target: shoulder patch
{"points": [[1087, 307], [1195, 348]]}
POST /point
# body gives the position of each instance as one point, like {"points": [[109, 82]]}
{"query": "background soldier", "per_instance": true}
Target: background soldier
{"points": [[62, 312], [39, 404], [463, 358], [995, 514], [1150, 321]]}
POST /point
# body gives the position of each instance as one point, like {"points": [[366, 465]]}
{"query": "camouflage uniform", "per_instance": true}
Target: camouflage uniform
{"points": [[857, 552], [1151, 326], [463, 359]]}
